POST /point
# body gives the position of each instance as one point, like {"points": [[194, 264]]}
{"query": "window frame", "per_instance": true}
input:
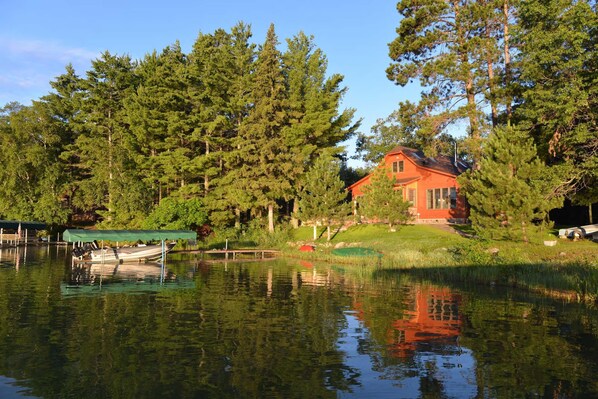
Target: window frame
{"points": [[443, 198], [398, 166]]}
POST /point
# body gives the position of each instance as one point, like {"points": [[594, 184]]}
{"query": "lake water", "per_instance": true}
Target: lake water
{"points": [[279, 329]]}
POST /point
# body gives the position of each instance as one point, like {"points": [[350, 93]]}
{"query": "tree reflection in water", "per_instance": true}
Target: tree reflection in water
{"points": [[282, 329]]}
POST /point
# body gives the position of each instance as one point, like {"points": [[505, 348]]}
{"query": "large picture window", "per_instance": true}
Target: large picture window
{"points": [[441, 198]]}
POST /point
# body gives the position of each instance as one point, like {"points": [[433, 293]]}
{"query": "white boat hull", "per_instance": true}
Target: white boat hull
{"points": [[147, 252]]}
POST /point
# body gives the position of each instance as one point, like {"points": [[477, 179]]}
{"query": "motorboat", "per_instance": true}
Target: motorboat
{"points": [[141, 252]]}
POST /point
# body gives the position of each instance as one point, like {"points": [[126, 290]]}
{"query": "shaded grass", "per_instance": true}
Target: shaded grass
{"points": [[568, 270], [572, 282]]}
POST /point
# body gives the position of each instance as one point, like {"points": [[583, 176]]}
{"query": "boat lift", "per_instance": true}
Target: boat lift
{"points": [[84, 236]]}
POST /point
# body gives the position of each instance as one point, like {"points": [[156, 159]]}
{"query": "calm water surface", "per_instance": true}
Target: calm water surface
{"points": [[278, 329]]}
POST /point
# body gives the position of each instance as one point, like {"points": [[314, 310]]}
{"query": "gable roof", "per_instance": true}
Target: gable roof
{"points": [[440, 163]]}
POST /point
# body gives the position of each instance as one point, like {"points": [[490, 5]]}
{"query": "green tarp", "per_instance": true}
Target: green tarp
{"points": [[356, 251], [75, 235]]}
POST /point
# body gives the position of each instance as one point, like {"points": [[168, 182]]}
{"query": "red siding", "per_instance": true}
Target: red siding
{"points": [[422, 179]]}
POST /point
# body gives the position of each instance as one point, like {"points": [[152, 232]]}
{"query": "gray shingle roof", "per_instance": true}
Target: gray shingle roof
{"points": [[441, 163]]}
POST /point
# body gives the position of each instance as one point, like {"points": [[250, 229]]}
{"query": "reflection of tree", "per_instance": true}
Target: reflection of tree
{"points": [[260, 330], [530, 347], [239, 333], [430, 386], [519, 346]]}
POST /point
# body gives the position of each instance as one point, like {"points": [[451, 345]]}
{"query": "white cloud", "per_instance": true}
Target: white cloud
{"points": [[28, 66], [45, 51]]}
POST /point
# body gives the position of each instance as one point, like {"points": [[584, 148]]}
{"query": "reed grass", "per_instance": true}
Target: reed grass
{"points": [[568, 270]]}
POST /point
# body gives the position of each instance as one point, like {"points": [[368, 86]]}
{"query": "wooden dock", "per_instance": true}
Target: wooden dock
{"points": [[234, 254]]}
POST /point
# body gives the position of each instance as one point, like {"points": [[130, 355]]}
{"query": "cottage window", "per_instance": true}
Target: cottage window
{"points": [[412, 196], [398, 166], [441, 198]]}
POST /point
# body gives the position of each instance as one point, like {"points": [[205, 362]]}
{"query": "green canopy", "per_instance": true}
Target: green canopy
{"points": [[74, 235], [14, 224]]}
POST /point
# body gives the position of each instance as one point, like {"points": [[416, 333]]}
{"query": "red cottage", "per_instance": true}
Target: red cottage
{"points": [[430, 184]]}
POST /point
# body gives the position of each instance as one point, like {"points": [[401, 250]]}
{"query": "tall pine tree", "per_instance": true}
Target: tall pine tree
{"points": [[261, 145]]}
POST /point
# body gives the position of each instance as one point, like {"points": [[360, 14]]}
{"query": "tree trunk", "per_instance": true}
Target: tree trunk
{"points": [[524, 232], [237, 218], [507, 55], [491, 83], [271, 218], [206, 178], [328, 231], [315, 231], [468, 81], [110, 175], [294, 220]]}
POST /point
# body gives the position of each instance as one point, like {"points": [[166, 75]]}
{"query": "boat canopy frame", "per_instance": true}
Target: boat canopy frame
{"points": [[80, 235]]}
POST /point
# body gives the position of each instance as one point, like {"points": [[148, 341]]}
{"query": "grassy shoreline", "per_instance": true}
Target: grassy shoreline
{"points": [[568, 270]]}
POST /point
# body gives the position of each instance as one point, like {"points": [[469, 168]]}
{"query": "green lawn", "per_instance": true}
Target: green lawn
{"points": [[429, 245], [568, 270]]}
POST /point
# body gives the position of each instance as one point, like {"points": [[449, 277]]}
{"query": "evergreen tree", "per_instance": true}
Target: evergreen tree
{"points": [[109, 185], [209, 71], [322, 196], [261, 144], [225, 199], [513, 189], [63, 105], [316, 125], [437, 43], [30, 179], [381, 202], [157, 112], [559, 74]]}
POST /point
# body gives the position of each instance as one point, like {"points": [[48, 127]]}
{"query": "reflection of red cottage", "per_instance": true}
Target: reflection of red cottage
{"points": [[434, 317], [428, 183]]}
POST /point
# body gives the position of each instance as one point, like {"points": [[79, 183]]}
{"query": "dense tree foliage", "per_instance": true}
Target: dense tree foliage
{"points": [[487, 64], [559, 76], [229, 126]]}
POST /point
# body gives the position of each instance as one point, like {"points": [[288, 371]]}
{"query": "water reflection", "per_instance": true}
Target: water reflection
{"points": [[10, 389], [432, 317], [280, 329], [424, 340], [90, 273]]}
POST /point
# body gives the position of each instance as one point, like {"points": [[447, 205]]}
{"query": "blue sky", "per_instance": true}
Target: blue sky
{"points": [[38, 38]]}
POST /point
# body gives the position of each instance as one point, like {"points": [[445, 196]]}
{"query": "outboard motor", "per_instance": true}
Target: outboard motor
{"points": [[79, 252]]}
